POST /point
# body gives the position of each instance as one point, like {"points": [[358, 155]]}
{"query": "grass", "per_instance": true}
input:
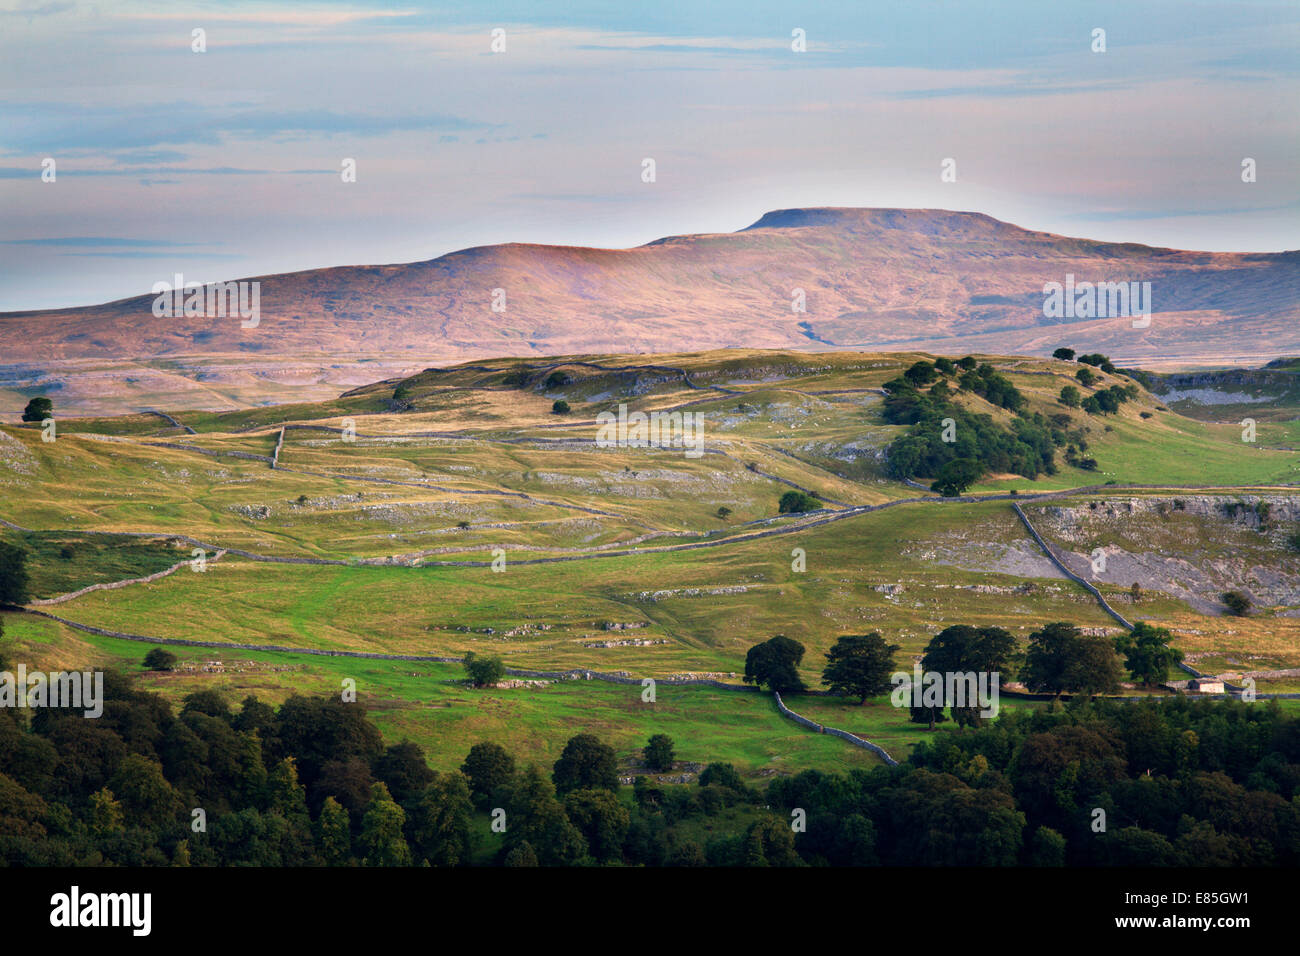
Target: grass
{"points": [[500, 481], [424, 703], [68, 562], [852, 565]]}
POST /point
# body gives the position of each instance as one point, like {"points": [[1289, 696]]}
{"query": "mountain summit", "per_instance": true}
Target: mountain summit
{"points": [[797, 278]]}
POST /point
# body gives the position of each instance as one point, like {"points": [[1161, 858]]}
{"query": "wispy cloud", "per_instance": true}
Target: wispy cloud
{"points": [[92, 241], [50, 127], [34, 172]]}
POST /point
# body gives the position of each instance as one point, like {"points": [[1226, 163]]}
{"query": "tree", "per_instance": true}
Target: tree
{"points": [[769, 842], [1060, 659], [688, 853], [559, 407], [382, 842], [318, 730], [105, 813], [516, 377], [938, 820], [723, 775], [1147, 653], [557, 379], [922, 714], [601, 819], [1135, 593], [1047, 848], [285, 795], [14, 581], [922, 373], [348, 780], [38, 409], [333, 833], [537, 818], [404, 771], [487, 766], [1064, 354], [159, 660], [723, 513], [1086, 376], [586, 764], [1238, 603], [967, 362], [211, 703], [658, 753], [860, 666], [945, 366], [1070, 396], [797, 502], [963, 649], [484, 671], [440, 824], [254, 716], [775, 663], [522, 855], [146, 796], [956, 476]]}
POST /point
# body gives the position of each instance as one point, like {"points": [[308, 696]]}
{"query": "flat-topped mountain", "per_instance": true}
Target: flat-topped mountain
{"points": [[865, 278]]}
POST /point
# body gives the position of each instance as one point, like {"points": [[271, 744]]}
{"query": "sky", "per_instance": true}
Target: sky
{"points": [[228, 163]]}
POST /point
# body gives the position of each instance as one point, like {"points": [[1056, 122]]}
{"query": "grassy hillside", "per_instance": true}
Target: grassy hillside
{"points": [[640, 560]]}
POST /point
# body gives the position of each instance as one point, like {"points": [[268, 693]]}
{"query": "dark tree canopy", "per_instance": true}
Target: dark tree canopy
{"points": [[943, 430], [658, 753], [1183, 782], [797, 502], [921, 373], [1238, 604], [484, 671], [403, 769], [963, 649], [775, 663], [487, 766], [860, 666], [586, 764], [1148, 654], [38, 409], [159, 660], [956, 476], [1061, 659], [14, 582]]}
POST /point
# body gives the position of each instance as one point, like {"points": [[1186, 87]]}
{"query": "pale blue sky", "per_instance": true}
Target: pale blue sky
{"points": [[226, 163]]}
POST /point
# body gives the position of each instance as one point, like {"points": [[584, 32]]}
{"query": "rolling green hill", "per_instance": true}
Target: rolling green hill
{"points": [[377, 529]]}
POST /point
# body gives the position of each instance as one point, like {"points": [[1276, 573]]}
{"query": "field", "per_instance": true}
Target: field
{"points": [[454, 511]]}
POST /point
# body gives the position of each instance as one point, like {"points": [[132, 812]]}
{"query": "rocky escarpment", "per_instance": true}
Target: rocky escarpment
{"points": [[1193, 548]]}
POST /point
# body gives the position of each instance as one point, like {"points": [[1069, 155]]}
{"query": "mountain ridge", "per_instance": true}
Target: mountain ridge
{"points": [[871, 277]]}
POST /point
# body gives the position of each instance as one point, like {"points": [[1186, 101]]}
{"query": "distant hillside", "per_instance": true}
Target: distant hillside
{"points": [[872, 279]]}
